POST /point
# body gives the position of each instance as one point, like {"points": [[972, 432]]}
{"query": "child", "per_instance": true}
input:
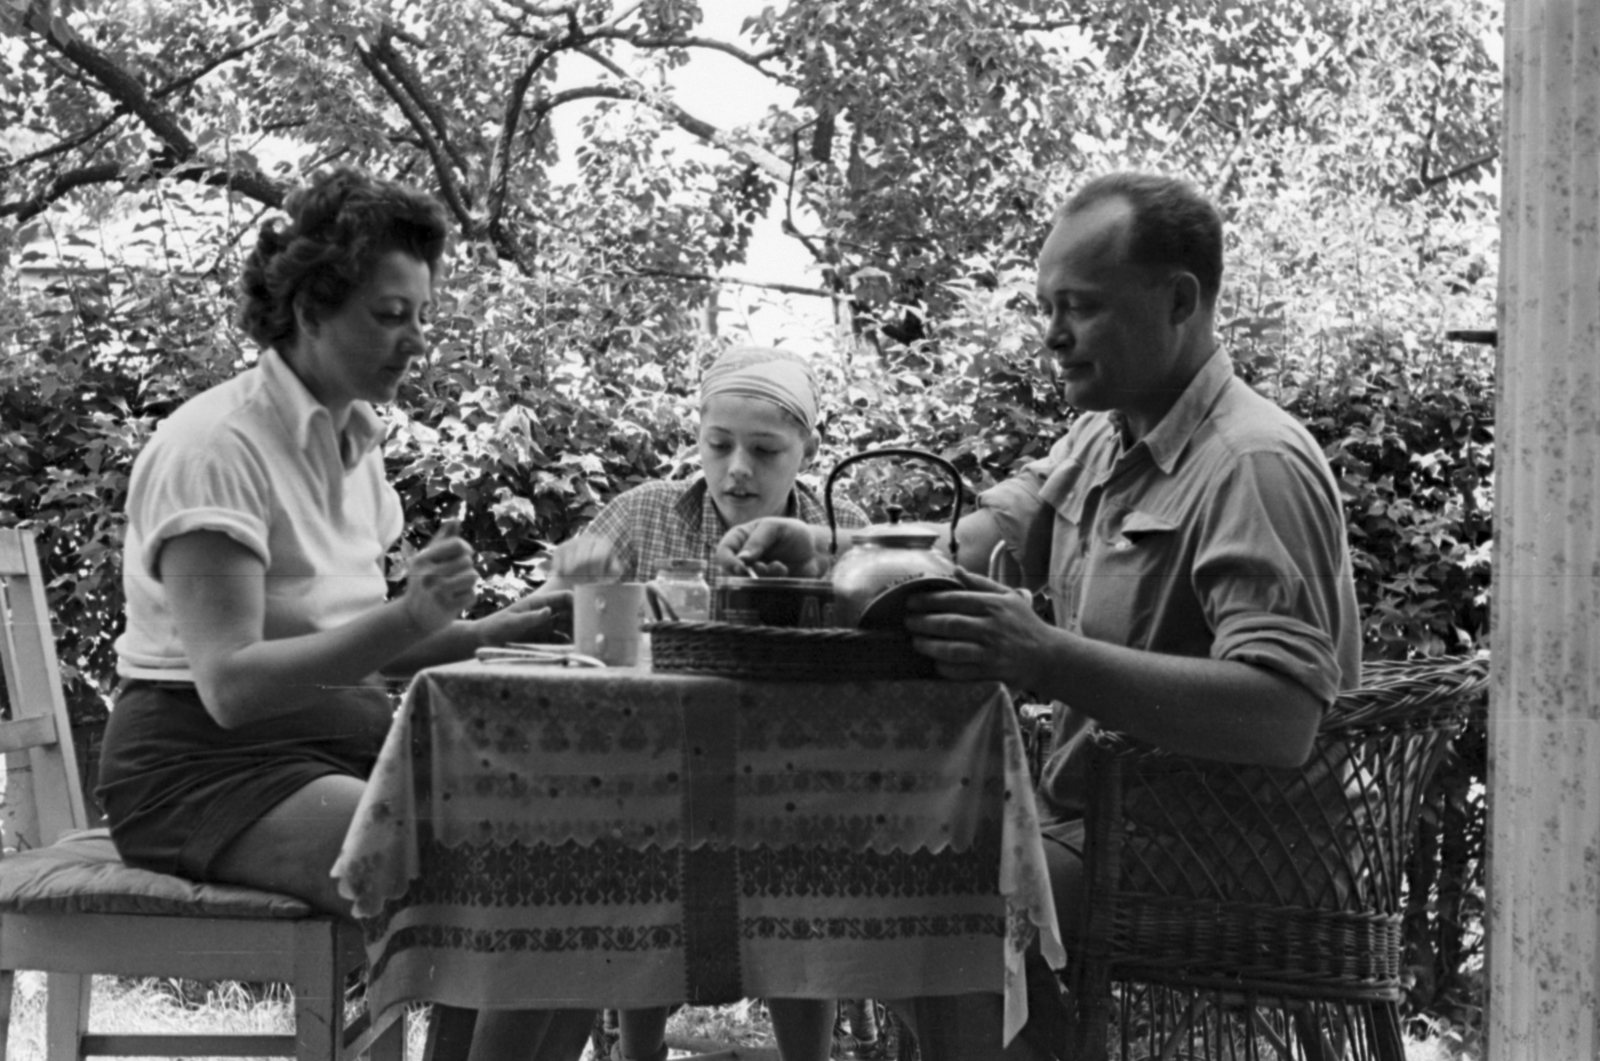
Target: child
{"points": [[758, 412], [758, 415]]}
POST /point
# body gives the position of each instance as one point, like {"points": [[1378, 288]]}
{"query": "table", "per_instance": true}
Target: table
{"points": [[536, 835]]}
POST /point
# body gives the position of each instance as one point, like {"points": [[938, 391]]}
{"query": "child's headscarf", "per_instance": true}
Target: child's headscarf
{"points": [[774, 375]]}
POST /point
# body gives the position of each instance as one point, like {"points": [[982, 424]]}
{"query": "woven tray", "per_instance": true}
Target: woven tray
{"points": [[782, 653]]}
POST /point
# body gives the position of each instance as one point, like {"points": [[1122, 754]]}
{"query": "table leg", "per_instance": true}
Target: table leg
{"points": [[449, 1033]]}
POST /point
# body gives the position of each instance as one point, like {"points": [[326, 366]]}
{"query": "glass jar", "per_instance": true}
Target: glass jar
{"points": [[683, 585]]}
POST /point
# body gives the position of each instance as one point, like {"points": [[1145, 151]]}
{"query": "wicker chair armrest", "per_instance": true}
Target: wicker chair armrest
{"points": [[1239, 878], [1327, 835]]}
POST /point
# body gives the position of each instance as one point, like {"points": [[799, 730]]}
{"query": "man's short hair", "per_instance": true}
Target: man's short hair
{"points": [[1173, 225]]}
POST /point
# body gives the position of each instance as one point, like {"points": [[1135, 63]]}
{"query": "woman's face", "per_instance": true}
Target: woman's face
{"points": [[363, 349], [751, 451]]}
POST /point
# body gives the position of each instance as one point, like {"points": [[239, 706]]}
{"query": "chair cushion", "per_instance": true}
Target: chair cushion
{"points": [[82, 874]]}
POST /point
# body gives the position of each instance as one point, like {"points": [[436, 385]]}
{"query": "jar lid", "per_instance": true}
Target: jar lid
{"points": [[682, 566]]}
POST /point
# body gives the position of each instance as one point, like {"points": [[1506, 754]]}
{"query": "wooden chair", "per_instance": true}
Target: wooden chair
{"points": [[70, 907], [1248, 912]]}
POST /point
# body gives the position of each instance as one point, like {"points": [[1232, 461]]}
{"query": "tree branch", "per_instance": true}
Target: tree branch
{"points": [[640, 40], [405, 76], [121, 87], [697, 127], [500, 164], [1048, 26], [177, 159], [239, 51], [790, 183], [1249, 132], [251, 183], [527, 7], [710, 278], [61, 147], [419, 123], [1415, 188], [123, 110]]}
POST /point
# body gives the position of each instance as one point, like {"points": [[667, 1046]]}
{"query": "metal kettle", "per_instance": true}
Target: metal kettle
{"points": [[886, 563]]}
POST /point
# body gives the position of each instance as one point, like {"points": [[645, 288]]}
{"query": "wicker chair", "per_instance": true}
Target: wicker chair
{"points": [[1248, 912]]}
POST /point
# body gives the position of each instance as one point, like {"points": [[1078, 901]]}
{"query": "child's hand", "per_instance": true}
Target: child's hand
{"points": [[585, 558], [770, 546]]}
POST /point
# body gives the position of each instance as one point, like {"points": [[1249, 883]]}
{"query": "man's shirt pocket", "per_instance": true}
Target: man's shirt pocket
{"points": [[1134, 572]]}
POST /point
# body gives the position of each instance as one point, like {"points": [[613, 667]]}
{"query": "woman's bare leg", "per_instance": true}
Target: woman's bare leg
{"points": [[292, 848]]}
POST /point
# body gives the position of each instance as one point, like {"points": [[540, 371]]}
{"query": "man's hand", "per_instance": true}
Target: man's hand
{"points": [[441, 581], [772, 546], [585, 558], [985, 632]]}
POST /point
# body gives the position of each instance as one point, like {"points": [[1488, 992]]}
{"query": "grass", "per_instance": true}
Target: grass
{"points": [[177, 1007], [152, 1006]]}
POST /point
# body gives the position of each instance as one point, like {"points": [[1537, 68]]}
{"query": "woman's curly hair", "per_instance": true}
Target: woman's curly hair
{"points": [[340, 224]]}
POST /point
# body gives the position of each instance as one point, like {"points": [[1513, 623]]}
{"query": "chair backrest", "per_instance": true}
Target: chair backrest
{"points": [[43, 790]]}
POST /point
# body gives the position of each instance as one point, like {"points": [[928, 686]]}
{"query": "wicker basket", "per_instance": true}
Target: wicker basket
{"points": [[782, 653]]}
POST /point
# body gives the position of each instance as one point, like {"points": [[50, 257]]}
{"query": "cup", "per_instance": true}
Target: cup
{"points": [[606, 620]]}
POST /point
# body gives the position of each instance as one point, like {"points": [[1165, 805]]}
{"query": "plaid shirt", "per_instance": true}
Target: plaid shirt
{"points": [[674, 520]]}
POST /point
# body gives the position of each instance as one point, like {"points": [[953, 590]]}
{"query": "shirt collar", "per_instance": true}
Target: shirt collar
{"points": [[1167, 440], [694, 504], [302, 413]]}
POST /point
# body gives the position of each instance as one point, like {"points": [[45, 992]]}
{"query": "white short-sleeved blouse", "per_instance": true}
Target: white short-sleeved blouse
{"points": [[257, 458]]}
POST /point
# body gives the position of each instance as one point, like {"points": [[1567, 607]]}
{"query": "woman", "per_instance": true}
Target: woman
{"points": [[252, 707], [758, 417]]}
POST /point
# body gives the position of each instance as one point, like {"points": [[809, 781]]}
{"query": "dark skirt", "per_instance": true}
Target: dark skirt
{"points": [[177, 788]]}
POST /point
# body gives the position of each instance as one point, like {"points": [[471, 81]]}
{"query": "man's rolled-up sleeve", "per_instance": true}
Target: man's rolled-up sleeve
{"points": [[1271, 568]]}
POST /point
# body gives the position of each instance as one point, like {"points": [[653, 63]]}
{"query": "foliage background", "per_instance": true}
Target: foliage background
{"points": [[915, 155]]}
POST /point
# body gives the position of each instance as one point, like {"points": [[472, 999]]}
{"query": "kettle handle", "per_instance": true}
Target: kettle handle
{"points": [[931, 458]]}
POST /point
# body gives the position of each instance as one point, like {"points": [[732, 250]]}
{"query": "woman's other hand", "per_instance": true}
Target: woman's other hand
{"points": [[536, 617], [441, 582], [772, 546]]}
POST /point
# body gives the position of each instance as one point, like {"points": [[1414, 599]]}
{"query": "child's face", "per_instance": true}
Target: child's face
{"points": [[751, 451]]}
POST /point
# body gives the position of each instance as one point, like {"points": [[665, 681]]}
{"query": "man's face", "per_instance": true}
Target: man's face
{"points": [[1110, 324]]}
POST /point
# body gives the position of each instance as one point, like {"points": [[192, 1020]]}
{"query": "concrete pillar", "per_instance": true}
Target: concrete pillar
{"points": [[1544, 726]]}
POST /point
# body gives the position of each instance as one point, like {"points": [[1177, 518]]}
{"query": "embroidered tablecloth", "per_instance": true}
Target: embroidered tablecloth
{"points": [[537, 835]]}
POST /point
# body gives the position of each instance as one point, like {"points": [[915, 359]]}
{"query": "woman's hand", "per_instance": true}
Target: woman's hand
{"points": [[441, 581], [985, 632], [535, 617], [772, 546]]}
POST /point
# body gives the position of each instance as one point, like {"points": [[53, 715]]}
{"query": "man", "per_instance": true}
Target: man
{"points": [[1188, 531]]}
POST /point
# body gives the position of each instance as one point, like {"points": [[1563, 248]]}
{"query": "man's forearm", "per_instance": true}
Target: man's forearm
{"points": [[1214, 709]]}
